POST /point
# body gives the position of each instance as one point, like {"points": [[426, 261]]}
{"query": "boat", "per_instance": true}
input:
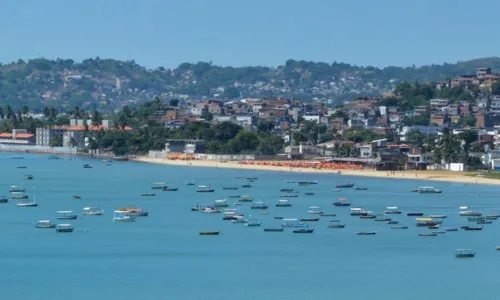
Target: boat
{"points": [[27, 204], [230, 188], [167, 189], [327, 214], [309, 219], [399, 227], [392, 210], [342, 202], [472, 227], [278, 218], [209, 232], [303, 183], [434, 226], [314, 210], [19, 196], [335, 224], [289, 196], [221, 203], [16, 189], [53, 157], [239, 220], [309, 193], [148, 194], [464, 253], [87, 166], [358, 211], [428, 190], [246, 186], [382, 218], [438, 216], [17, 157], [21, 167], [291, 223], [368, 216], [45, 224], [76, 197], [210, 210], [28, 177], [470, 213], [392, 222], [345, 185], [337, 190], [252, 178], [258, 205], [245, 198], [92, 211], [452, 229], [4, 199], [134, 211], [286, 190], [272, 229], [158, 185], [415, 214], [64, 228], [283, 203], [123, 216], [482, 222], [427, 222], [204, 189], [366, 233], [121, 158], [428, 234], [66, 215], [253, 222], [439, 232], [361, 188], [290, 181], [303, 230]]}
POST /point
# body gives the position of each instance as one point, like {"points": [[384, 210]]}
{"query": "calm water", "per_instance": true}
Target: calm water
{"points": [[163, 257]]}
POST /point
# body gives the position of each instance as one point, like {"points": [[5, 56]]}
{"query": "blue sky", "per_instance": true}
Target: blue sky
{"points": [[251, 32]]}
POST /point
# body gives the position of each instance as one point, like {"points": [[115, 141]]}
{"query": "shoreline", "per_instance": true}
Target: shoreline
{"points": [[439, 176]]}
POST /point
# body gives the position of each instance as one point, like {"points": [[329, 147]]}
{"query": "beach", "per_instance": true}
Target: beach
{"points": [[444, 176]]}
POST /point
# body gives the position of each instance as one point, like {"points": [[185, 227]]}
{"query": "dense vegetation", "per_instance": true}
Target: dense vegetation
{"points": [[65, 84]]}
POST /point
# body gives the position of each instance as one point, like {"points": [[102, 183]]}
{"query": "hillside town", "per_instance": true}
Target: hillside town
{"points": [[381, 132]]}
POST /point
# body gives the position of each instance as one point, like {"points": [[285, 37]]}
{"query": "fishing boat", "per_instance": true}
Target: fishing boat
{"points": [[452, 229], [209, 232], [303, 230], [204, 189], [134, 211], [392, 222], [428, 234], [327, 214], [368, 216], [283, 203], [314, 210], [428, 190], [16, 189], [344, 185], [361, 188], [366, 233], [190, 183], [309, 219], [19, 196], [309, 193], [64, 228], [123, 216], [474, 228], [382, 218], [246, 186], [253, 222], [464, 253], [21, 167], [286, 190], [258, 205], [66, 215], [158, 185], [28, 203], [392, 210], [87, 166], [245, 198], [28, 177], [221, 203], [210, 210], [335, 224], [415, 214], [342, 202], [92, 211], [167, 189], [438, 216], [399, 227], [358, 211], [76, 197], [274, 229], [4, 199], [230, 188], [45, 224], [148, 194]]}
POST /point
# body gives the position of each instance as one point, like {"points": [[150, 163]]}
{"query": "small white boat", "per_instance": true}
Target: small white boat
{"points": [[428, 190], [358, 211], [92, 211], [315, 210], [210, 210], [221, 203], [283, 203], [123, 216], [66, 215], [45, 224], [394, 210], [27, 203], [239, 220], [64, 228]]}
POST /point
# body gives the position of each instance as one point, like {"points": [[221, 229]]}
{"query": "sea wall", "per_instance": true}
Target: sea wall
{"points": [[38, 149]]}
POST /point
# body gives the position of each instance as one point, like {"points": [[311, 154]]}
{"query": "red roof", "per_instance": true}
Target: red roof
{"points": [[18, 136]]}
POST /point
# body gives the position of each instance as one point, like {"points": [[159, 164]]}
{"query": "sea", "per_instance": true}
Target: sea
{"points": [[162, 256]]}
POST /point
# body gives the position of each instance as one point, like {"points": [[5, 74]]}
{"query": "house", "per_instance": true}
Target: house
{"points": [[366, 151], [438, 104]]}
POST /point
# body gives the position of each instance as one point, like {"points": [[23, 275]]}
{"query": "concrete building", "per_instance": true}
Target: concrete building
{"points": [[17, 137], [45, 135]]}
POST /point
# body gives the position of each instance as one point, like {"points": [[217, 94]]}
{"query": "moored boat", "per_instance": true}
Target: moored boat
{"points": [[204, 189], [253, 222], [134, 211], [16, 189], [473, 228], [92, 211], [158, 185], [258, 205], [123, 216], [315, 210], [274, 229], [399, 227], [246, 186], [309, 193], [415, 214], [342, 202], [148, 194], [170, 189], [345, 185], [230, 188], [428, 190], [209, 232], [428, 234], [283, 203], [335, 224], [27, 204], [245, 198], [392, 210], [327, 214], [28, 177], [358, 211], [309, 219], [64, 228], [45, 224], [66, 215], [87, 166], [303, 230], [221, 203], [438, 216], [366, 233], [4, 199], [464, 253]]}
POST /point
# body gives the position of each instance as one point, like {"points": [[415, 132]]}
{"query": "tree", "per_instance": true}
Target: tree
{"points": [[57, 141], [174, 102], [25, 110], [495, 88], [96, 119]]}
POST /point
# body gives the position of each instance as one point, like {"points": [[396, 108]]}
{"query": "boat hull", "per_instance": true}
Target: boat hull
{"points": [[65, 230], [209, 232], [68, 218]]}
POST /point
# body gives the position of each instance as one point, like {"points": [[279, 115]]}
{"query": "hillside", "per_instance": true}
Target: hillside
{"points": [[109, 83]]}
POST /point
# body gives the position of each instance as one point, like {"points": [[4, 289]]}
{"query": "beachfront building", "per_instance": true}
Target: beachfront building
{"points": [[17, 137], [44, 135]]}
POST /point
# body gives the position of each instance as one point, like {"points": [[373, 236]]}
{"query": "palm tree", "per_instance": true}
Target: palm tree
{"points": [[9, 112], [26, 110], [96, 118]]}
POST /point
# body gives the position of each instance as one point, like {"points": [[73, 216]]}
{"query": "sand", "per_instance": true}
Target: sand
{"points": [[446, 176]]}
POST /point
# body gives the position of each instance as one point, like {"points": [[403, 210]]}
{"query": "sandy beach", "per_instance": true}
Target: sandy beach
{"points": [[446, 176]]}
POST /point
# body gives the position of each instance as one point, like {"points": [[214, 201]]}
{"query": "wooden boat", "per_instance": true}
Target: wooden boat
{"points": [[64, 228], [148, 194], [315, 210], [464, 253], [76, 197], [92, 211], [366, 233], [133, 211], [209, 232], [309, 219], [19, 197], [335, 224], [392, 222], [27, 204], [415, 214], [245, 198], [472, 228], [4, 199], [283, 203], [158, 185], [327, 214], [345, 185], [204, 189], [16, 189], [167, 189], [399, 227], [123, 216], [278, 229], [382, 218], [369, 216], [87, 166], [392, 210], [303, 230], [428, 234], [28, 177], [438, 216], [246, 186], [45, 224], [66, 215]]}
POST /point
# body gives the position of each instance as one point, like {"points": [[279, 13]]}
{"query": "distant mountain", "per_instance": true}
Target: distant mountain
{"points": [[110, 83]]}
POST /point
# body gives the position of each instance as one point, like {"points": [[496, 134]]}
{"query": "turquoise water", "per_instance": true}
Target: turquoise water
{"points": [[163, 257]]}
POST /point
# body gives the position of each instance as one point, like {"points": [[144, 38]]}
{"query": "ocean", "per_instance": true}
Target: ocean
{"points": [[162, 256]]}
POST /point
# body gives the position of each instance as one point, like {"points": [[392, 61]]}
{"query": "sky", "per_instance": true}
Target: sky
{"points": [[250, 32]]}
